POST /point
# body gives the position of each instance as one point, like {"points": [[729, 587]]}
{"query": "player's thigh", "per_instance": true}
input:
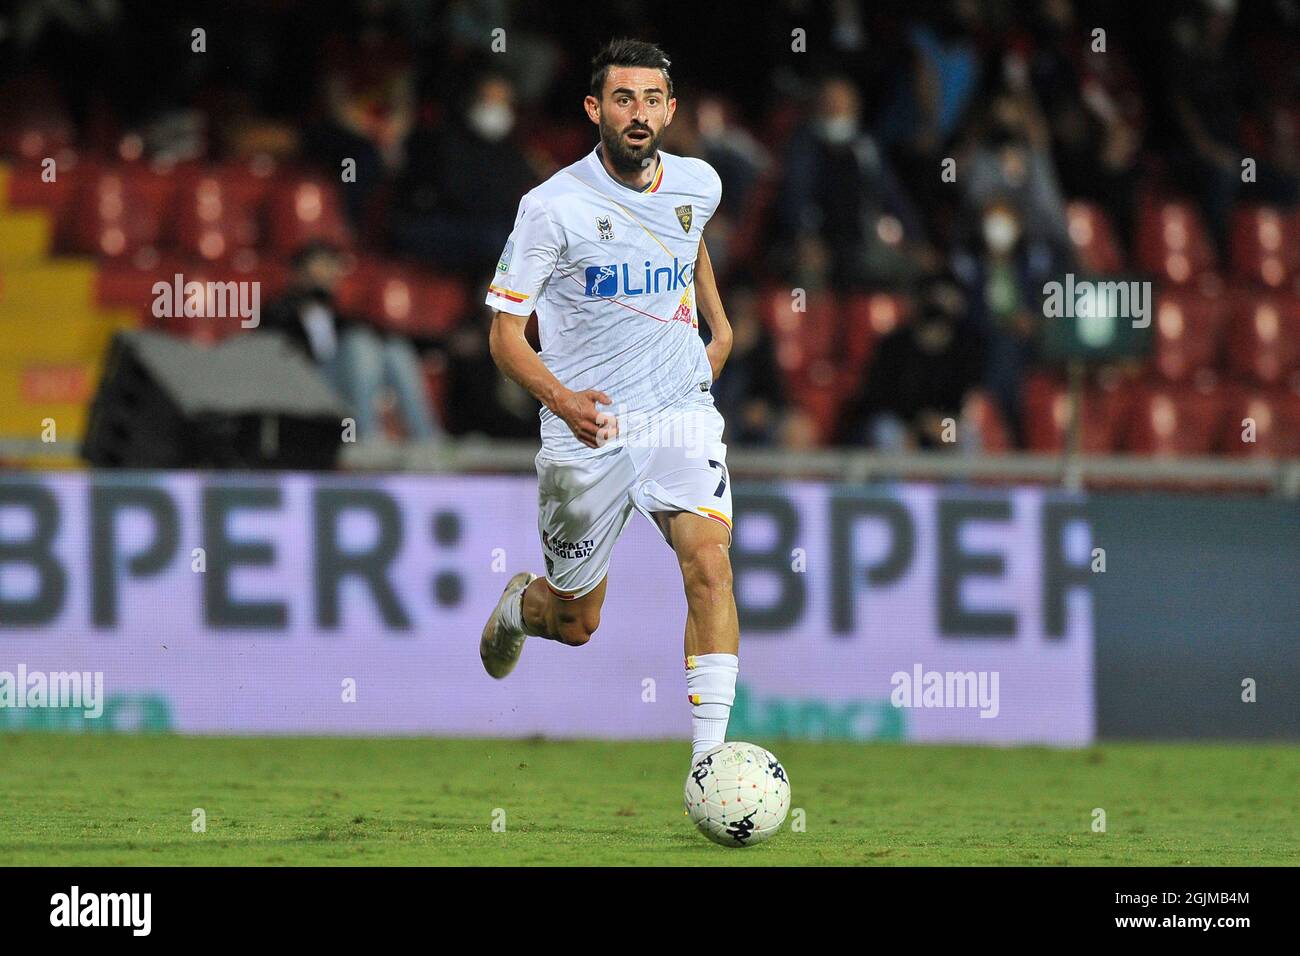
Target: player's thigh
{"points": [[583, 507], [691, 477]]}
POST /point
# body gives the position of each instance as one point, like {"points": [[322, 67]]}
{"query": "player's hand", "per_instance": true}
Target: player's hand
{"points": [[589, 424]]}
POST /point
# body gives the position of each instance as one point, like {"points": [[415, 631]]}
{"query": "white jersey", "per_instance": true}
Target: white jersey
{"points": [[609, 270]]}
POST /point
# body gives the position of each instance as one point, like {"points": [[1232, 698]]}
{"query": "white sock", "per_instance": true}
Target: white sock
{"points": [[711, 689], [512, 615]]}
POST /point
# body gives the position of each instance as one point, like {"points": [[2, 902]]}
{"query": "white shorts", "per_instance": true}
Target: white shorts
{"points": [[585, 503]]}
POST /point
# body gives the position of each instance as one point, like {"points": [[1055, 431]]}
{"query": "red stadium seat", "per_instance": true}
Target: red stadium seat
{"points": [[411, 302], [29, 190], [801, 338], [1174, 420], [130, 282], [210, 327], [866, 319], [436, 382], [1187, 333], [1093, 238], [1172, 242], [118, 211], [1262, 337], [305, 209], [1265, 245], [217, 213], [1270, 417], [995, 437], [1047, 416]]}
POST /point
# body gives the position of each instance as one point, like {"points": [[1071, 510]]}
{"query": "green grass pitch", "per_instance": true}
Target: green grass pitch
{"points": [[128, 800]]}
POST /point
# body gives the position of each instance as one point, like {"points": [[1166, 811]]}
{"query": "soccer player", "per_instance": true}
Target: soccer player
{"points": [[608, 252]]}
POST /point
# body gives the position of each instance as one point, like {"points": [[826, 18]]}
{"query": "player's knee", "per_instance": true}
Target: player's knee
{"points": [[576, 629], [706, 572]]}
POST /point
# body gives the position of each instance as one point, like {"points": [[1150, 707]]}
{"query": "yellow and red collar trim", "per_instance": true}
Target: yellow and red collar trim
{"points": [[659, 178]]}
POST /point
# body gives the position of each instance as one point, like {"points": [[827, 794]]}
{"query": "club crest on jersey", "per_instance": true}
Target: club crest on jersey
{"points": [[685, 216], [605, 228]]}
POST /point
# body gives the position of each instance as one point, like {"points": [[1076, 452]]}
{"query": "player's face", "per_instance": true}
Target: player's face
{"points": [[632, 114]]}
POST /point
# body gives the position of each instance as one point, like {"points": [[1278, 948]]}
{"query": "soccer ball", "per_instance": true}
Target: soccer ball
{"points": [[738, 794]]}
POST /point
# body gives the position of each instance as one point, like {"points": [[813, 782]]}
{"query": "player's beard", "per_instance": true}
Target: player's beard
{"points": [[622, 155]]}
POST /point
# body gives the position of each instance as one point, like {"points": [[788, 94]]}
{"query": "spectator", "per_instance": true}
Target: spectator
{"points": [[369, 96], [1207, 98], [707, 132], [840, 203], [1004, 275], [1094, 114], [462, 189], [749, 394], [481, 400], [358, 361], [922, 374], [1009, 161]]}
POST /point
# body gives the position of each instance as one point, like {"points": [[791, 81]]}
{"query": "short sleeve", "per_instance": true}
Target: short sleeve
{"points": [[527, 261]]}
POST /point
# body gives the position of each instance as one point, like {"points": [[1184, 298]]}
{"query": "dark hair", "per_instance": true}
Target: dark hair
{"points": [[626, 52]]}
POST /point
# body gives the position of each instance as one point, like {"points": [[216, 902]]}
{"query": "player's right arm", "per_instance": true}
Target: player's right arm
{"points": [[517, 360], [527, 264]]}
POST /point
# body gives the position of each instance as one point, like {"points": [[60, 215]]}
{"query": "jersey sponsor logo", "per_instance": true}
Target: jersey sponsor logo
{"points": [[606, 282], [503, 264], [685, 216], [605, 228]]}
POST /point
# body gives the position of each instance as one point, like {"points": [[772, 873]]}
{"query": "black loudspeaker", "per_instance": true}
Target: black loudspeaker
{"points": [[251, 402]]}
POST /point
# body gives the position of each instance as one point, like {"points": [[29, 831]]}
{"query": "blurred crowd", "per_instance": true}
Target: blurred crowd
{"points": [[923, 151]]}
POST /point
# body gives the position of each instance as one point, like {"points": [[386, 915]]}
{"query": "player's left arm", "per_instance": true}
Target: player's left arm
{"points": [[709, 303]]}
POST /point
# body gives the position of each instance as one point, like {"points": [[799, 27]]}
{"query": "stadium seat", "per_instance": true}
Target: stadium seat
{"points": [[1187, 333], [408, 301], [1262, 337], [117, 211], [217, 213], [1047, 416], [1093, 238], [995, 437], [29, 190], [801, 338], [303, 209], [1172, 241], [130, 281], [1174, 420], [1270, 417], [1265, 245], [866, 319]]}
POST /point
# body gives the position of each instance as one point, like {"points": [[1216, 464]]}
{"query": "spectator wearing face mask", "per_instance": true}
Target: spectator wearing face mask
{"points": [[1003, 272], [840, 207], [457, 203], [920, 379], [1009, 160]]}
